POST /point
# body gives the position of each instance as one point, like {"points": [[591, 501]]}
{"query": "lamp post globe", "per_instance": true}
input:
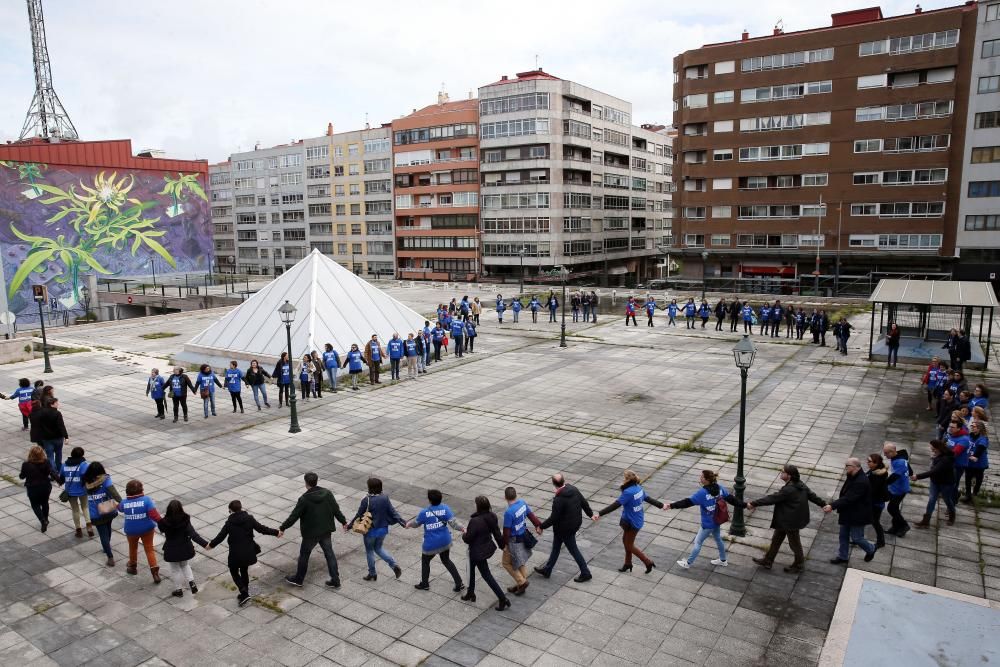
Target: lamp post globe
{"points": [[287, 313], [743, 354], [704, 268]]}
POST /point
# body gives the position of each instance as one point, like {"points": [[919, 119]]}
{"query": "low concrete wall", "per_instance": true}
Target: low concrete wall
{"points": [[12, 350]]}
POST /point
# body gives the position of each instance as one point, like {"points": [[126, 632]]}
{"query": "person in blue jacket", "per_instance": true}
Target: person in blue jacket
{"points": [[765, 320], [516, 306], [395, 349], [437, 337], [426, 333], [23, 397], [206, 381], [899, 487], [411, 355], [553, 304], [650, 310], [704, 312], [283, 378], [672, 313], [234, 383], [631, 501], [689, 312], [354, 361], [458, 335], [980, 397], [155, 389], [630, 311], [534, 306], [979, 459], [383, 515], [331, 362], [178, 384], [747, 318], [141, 517], [307, 373], [470, 335], [501, 307], [707, 499], [71, 477], [422, 345], [435, 520], [777, 314]]}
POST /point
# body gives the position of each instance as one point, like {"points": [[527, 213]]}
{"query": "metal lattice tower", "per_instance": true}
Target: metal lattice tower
{"points": [[46, 116]]}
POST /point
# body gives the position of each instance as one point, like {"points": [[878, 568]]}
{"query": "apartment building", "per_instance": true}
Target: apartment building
{"points": [[272, 206], [436, 184], [842, 143], [568, 180], [978, 238]]}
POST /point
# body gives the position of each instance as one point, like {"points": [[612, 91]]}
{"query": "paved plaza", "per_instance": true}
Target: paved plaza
{"points": [[663, 402]]}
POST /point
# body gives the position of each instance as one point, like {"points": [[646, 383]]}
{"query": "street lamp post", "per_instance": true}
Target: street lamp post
{"points": [[152, 264], [45, 342], [287, 313], [523, 250], [564, 274], [704, 267], [743, 353]]}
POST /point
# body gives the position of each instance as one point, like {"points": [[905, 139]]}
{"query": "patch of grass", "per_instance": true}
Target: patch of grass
{"points": [[159, 334], [10, 480], [103, 347], [986, 499], [268, 603], [42, 607], [848, 311], [58, 349], [696, 449], [636, 398]]}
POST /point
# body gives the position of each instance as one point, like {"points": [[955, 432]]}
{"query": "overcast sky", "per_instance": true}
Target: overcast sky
{"points": [[205, 78]]}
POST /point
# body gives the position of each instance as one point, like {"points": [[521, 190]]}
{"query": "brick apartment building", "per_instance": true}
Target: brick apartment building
{"points": [[843, 142]]}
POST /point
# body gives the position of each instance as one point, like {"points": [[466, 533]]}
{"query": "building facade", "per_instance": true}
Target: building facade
{"points": [[835, 149], [567, 180], [978, 239], [435, 153], [271, 207]]}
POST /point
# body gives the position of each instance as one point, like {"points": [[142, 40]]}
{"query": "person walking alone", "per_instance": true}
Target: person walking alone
{"points": [[631, 502], [791, 514], [317, 510], [568, 508], [483, 537], [380, 515], [435, 519], [517, 540], [713, 515], [238, 532], [178, 550], [854, 507], [38, 475]]}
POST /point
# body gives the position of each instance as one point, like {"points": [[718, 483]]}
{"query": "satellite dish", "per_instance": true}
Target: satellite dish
{"points": [[7, 318]]}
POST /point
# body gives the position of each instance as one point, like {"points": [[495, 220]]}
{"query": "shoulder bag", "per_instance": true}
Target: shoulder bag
{"points": [[364, 524]]}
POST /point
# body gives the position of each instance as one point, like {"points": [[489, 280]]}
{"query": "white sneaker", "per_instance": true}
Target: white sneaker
{"points": [[683, 563], [719, 561]]}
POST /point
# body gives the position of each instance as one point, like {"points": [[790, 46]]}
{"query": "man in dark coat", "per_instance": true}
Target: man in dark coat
{"points": [[791, 514], [854, 505], [964, 349], [316, 510], [568, 508]]}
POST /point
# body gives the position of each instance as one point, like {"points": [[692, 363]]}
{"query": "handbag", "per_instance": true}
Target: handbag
{"points": [[204, 393], [529, 540], [109, 506], [64, 496], [364, 524]]}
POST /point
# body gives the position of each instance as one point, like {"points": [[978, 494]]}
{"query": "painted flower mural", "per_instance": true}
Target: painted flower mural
{"points": [[97, 221]]}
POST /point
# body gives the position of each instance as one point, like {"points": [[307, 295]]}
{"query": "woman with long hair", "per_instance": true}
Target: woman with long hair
{"points": [[178, 549], [38, 476], [707, 499], [878, 482], [102, 502], [632, 500], [942, 478], [483, 537], [256, 378]]}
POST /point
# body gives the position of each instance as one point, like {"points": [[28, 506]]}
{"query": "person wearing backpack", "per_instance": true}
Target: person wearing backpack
{"points": [[711, 500], [375, 514], [791, 514]]}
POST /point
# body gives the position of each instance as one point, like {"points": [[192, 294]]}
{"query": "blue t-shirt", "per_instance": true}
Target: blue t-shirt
{"points": [[706, 503], [23, 394], [631, 500], [354, 361], [435, 520], [630, 308], [501, 306], [437, 334], [983, 461], [747, 314], [457, 329], [515, 517], [284, 373], [177, 385], [73, 474], [650, 307], [304, 374], [470, 329], [534, 304], [331, 359], [689, 309], [516, 305], [395, 348], [135, 511], [376, 353], [156, 386], [234, 380], [97, 496], [672, 309], [411, 347], [205, 381]]}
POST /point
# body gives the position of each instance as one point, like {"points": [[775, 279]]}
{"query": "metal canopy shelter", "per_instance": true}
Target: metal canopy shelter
{"points": [[929, 309]]}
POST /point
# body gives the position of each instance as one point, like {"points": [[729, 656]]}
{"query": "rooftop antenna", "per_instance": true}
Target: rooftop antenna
{"points": [[536, 62], [46, 116], [367, 126]]}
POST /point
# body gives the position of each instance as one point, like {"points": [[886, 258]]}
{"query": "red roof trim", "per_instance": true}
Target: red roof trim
{"points": [[531, 75], [112, 154]]}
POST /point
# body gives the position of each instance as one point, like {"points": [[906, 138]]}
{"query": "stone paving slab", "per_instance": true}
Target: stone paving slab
{"points": [[663, 402]]}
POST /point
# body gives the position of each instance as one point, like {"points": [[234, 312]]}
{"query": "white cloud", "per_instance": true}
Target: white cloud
{"points": [[204, 79]]}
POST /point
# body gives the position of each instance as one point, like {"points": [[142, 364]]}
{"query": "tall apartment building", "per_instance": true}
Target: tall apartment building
{"points": [[436, 183], [867, 116], [271, 207], [568, 180], [978, 242]]}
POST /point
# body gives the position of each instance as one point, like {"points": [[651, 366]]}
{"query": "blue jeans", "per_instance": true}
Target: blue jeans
{"points": [[855, 535], [104, 532], [552, 314], [459, 345], [308, 544], [53, 448], [331, 375], [946, 495], [373, 547], [210, 400], [574, 551], [702, 536], [427, 354], [262, 388]]}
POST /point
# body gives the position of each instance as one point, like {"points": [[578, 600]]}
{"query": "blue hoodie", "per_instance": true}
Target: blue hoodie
{"points": [[156, 387], [435, 520], [136, 512], [980, 446], [632, 499], [457, 329], [331, 359], [395, 348], [72, 474], [901, 468], [234, 380]]}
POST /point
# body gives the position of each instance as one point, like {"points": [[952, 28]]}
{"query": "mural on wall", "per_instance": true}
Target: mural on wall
{"points": [[59, 224]]}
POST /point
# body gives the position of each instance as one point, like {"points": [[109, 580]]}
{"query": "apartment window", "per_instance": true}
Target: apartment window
{"points": [[511, 103], [920, 143], [911, 209], [719, 212], [784, 122], [353, 170], [909, 241], [291, 199], [355, 189], [698, 101], [988, 119], [380, 145], [989, 84], [762, 153], [984, 189], [355, 209], [691, 240], [992, 12], [784, 92], [754, 183], [317, 152], [783, 60], [873, 81], [985, 154], [815, 180], [576, 224], [980, 223], [725, 67], [768, 211], [861, 210], [379, 166], [867, 177], [514, 128], [319, 209], [722, 154], [722, 184], [914, 176], [723, 97], [863, 114]]}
